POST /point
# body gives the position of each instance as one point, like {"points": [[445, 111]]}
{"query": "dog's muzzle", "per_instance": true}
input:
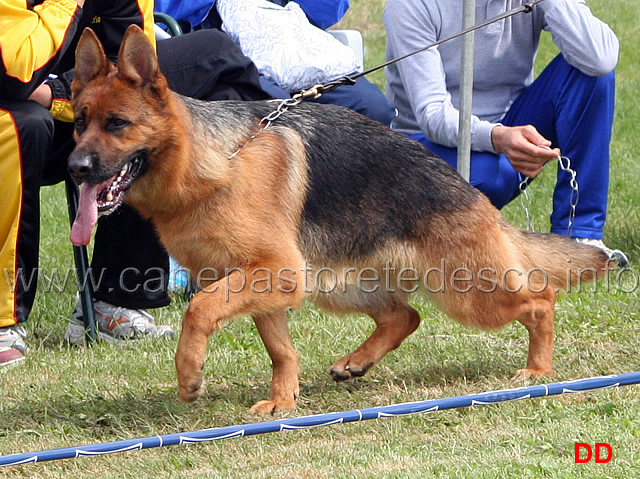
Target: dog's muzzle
{"points": [[81, 165]]}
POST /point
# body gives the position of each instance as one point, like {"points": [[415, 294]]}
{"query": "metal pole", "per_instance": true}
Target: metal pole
{"points": [[82, 271], [306, 422], [466, 90]]}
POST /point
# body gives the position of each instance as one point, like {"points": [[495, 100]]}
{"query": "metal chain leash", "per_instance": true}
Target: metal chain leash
{"points": [[317, 90], [525, 201], [283, 106], [564, 164]]}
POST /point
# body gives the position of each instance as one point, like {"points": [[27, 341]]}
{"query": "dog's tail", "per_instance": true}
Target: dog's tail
{"points": [[561, 260]]}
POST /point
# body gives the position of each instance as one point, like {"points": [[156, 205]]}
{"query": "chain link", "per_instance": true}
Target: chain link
{"points": [[525, 201], [565, 165], [283, 106], [575, 191]]}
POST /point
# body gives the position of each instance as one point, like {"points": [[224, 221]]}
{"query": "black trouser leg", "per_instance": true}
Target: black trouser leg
{"points": [[34, 135]]}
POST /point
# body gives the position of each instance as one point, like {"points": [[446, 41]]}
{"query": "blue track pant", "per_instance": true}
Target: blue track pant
{"points": [[575, 112]]}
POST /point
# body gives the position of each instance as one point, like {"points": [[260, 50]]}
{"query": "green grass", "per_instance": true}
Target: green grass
{"points": [[65, 396]]}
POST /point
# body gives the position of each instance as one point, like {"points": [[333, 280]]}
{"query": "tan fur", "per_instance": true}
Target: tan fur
{"points": [[241, 215]]}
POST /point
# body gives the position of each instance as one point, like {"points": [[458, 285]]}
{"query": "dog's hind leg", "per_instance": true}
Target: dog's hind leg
{"points": [[532, 305], [232, 296], [392, 327], [274, 332]]}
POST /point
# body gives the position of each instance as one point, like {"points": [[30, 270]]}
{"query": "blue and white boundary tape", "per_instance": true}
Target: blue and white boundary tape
{"points": [[215, 434]]}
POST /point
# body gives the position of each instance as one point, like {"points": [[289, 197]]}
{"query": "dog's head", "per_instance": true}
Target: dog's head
{"points": [[116, 110]]}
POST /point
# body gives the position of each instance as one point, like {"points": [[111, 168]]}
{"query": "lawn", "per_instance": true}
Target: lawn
{"points": [[64, 396]]}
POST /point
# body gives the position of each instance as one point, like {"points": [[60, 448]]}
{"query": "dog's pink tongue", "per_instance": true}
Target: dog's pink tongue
{"points": [[87, 215]]}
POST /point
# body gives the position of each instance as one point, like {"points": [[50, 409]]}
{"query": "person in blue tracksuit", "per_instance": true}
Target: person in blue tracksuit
{"points": [[568, 108]]}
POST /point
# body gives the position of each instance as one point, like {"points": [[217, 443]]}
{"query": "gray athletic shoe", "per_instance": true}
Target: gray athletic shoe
{"points": [[115, 324]]}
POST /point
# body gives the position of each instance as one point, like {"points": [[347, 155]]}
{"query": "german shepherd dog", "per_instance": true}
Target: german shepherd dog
{"points": [[277, 210]]}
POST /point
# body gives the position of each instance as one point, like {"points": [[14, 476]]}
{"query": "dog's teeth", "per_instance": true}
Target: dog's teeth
{"points": [[109, 196]]}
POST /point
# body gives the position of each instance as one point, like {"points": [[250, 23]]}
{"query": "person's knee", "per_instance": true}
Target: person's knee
{"points": [[35, 123], [577, 79], [36, 132], [605, 85]]}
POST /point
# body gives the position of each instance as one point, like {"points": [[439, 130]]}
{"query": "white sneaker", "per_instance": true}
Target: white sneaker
{"points": [[614, 254], [115, 324], [12, 345]]}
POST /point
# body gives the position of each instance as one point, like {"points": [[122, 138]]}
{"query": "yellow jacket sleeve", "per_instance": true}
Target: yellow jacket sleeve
{"points": [[31, 39]]}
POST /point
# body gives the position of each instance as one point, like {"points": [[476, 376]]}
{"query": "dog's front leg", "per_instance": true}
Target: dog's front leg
{"points": [[274, 332], [232, 296]]}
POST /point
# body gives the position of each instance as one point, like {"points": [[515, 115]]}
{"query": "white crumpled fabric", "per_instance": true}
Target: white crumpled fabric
{"points": [[282, 43]]}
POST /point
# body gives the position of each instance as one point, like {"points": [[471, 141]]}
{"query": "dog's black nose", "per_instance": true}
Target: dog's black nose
{"points": [[80, 165]]}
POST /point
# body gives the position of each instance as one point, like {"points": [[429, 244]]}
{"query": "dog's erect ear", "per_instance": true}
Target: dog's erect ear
{"points": [[91, 60], [137, 58]]}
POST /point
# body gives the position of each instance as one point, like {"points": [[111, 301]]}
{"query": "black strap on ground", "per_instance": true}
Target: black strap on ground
{"points": [[318, 90]]}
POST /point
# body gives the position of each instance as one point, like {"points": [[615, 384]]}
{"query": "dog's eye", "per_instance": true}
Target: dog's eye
{"points": [[79, 124], [117, 124]]}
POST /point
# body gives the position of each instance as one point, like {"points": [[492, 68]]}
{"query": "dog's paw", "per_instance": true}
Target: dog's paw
{"points": [[193, 393], [523, 375], [345, 369], [271, 406]]}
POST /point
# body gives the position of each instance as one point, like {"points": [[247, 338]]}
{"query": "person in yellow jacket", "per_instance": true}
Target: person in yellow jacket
{"points": [[129, 266]]}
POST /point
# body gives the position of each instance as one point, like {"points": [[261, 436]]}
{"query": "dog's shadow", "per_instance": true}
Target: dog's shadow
{"points": [[106, 416], [156, 409], [380, 387]]}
